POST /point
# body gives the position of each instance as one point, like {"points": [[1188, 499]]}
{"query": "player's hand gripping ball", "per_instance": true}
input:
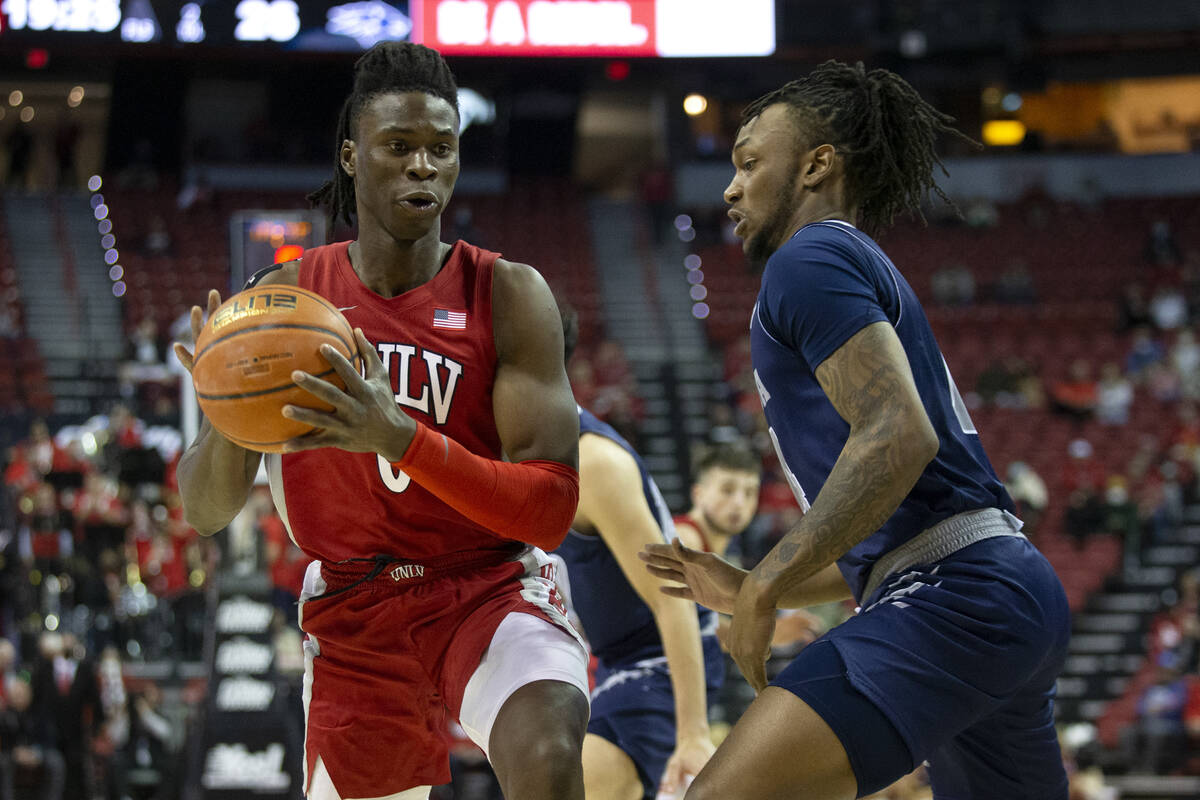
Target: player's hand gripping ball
{"points": [[245, 356]]}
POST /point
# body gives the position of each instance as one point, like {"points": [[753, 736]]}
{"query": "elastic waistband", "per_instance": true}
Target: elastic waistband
{"points": [[940, 540], [341, 576]]}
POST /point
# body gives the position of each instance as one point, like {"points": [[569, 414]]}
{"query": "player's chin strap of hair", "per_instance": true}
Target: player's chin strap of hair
{"points": [[532, 501]]}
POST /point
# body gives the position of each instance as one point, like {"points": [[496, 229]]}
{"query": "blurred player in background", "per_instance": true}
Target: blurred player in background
{"points": [[658, 656], [429, 593], [724, 497], [963, 625]]}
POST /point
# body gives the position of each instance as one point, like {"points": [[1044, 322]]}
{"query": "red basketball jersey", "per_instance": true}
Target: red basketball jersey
{"points": [[684, 519], [436, 343]]}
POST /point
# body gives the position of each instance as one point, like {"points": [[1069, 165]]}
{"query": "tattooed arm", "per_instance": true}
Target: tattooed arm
{"points": [[891, 440]]}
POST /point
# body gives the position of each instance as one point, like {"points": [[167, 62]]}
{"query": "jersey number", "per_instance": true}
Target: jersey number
{"points": [[395, 479]]}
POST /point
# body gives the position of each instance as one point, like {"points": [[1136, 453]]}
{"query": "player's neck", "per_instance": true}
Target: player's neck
{"points": [[821, 205], [391, 267]]}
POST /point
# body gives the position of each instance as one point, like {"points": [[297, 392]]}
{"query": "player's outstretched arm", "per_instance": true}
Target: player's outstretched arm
{"points": [[215, 475], [713, 582], [612, 500], [870, 384]]}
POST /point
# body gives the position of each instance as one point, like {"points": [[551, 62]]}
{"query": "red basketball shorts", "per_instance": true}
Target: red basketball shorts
{"points": [[389, 659]]}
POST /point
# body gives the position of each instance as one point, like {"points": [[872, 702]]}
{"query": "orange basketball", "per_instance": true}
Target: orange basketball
{"points": [[245, 356]]}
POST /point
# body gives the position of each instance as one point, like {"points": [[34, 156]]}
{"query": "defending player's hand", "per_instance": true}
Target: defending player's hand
{"points": [[365, 417], [198, 315], [690, 756], [707, 578], [750, 633]]}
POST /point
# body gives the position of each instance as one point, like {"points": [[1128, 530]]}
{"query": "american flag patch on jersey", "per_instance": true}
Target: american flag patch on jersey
{"points": [[451, 320]]}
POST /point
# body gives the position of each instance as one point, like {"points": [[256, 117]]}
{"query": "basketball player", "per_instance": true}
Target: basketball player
{"points": [[427, 496], [658, 656], [724, 497], [963, 624]]}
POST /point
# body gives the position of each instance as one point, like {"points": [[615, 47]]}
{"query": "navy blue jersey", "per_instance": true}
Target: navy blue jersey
{"points": [[828, 282], [618, 625]]}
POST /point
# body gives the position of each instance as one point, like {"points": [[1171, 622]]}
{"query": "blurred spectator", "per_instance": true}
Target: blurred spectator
{"points": [[1133, 309], [1144, 350], [66, 143], [1185, 359], [19, 144], [1158, 735], [152, 738], [29, 744], [1085, 516], [1121, 517], [145, 345], [953, 285], [1078, 394], [1168, 308], [1163, 383], [100, 515], [158, 238], [45, 539], [981, 213], [1009, 383], [1014, 285], [36, 458], [658, 193], [1029, 491], [1161, 247], [66, 687], [1114, 396], [109, 746]]}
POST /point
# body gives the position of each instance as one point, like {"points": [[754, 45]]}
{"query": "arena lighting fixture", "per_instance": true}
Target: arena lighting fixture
{"points": [[27, 114], [16, 97], [695, 104], [1003, 132]]}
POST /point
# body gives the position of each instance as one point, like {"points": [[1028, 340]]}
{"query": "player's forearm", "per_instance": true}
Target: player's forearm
{"points": [[680, 632], [215, 477], [532, 501], [826, 586], [874, 473]]}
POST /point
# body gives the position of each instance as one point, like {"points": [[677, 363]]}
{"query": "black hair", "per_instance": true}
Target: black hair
{"points": [[386, 67], [735, 456], [880, 125], [570, 325]]}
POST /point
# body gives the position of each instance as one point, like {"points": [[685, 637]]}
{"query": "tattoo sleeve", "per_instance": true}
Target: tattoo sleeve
{"points": [[870, 384]]}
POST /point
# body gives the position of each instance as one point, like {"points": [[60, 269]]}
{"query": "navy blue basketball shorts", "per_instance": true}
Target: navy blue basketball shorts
{"points": [[633, 707], [952, 663]]}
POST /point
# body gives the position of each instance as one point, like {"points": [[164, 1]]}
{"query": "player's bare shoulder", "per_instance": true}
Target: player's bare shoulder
{"points": [[286, 273], [523, 307]]}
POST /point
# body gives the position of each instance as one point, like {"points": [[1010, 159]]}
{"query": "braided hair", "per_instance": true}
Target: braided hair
{"points": [[386, 67], [883, 128]]}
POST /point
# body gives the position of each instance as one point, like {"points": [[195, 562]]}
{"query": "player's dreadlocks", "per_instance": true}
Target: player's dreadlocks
{"points": [[883, 128], [386, 67]]}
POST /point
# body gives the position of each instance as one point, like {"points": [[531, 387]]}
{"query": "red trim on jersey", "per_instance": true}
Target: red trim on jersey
{"points": [[684, 519], [533, 501]]}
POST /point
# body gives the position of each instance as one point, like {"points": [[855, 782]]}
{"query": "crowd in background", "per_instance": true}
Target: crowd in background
{"points": [[98, 571]]}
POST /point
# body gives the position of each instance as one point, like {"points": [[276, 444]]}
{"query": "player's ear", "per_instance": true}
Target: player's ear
{"points": [[818, 164], [347, 156]]}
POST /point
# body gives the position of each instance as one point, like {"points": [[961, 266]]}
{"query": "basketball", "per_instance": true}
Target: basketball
{"points": [[245, 356]]}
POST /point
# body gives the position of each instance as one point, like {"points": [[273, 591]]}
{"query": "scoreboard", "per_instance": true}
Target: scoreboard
{"points": [[598, 28]]}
